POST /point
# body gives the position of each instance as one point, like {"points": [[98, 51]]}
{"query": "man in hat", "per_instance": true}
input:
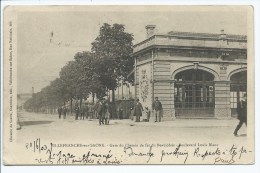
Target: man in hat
{"points": [[138, 108], [77, 112], [101, 111], [157, 107], [64, 112], [242, 114], [59, 111]]}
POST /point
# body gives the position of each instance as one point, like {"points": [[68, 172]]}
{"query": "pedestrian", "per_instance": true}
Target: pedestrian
{"points": [[59, 111], [82, 112], [132, 105], [147, 114], [120, 113], [95, 113], [242, 113], [138, 108], [90, 111], [157, 107], [107, 113], [101, 111], [64, 112], [86, 113], [77, 111]]}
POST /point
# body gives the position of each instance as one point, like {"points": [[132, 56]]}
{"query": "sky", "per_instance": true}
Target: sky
{"points": [[49, 37]]}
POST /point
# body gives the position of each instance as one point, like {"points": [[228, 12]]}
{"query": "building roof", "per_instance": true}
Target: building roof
{"points": [[205, 35], [229, 41]]}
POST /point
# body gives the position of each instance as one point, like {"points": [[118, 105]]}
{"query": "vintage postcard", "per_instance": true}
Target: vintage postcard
{"points": [[119, 85]]}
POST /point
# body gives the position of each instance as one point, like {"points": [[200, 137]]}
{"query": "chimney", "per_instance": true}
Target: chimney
{"points": [[150, 30], [32, 90], [222, 34]]}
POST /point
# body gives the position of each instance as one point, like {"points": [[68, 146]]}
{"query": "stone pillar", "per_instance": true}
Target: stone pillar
{"points": [[173, 117], [162, 91], [222, 100]]}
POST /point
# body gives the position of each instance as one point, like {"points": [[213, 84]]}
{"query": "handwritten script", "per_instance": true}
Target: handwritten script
{"points": [[51, 154]]}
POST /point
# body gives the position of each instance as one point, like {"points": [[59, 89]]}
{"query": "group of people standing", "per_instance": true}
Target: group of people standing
{"points": [[62, 110], [103, 109], [85, 111], [137, 111]]}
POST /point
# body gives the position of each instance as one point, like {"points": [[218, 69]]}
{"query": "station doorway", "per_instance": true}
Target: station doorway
{"points": [[194, 94], [238, 87]]}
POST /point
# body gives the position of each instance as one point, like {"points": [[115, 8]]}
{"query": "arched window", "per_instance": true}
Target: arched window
{"points": [[194, 75], [194, 91], [238, 87]]}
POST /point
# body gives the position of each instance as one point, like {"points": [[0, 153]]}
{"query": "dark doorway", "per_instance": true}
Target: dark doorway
{"points": [[194, 94], [238, 87]]}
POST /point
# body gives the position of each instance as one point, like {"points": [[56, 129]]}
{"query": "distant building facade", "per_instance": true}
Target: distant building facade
{"points": [[194, 75]]}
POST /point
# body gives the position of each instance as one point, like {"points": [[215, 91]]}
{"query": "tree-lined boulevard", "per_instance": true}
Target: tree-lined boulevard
{"points": [[91, 73]]}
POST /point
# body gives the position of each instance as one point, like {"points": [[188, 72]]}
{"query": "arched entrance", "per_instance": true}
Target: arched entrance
{"points": [[238, 87], [194, 94]]}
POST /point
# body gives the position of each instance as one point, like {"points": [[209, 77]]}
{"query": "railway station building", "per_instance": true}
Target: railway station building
{"points": [[194, 75]]}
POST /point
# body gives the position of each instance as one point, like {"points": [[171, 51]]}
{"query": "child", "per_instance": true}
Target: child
{"points": [[147, 114], [107, 117]]}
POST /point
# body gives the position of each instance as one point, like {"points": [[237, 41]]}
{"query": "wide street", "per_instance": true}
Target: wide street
{"points": [[49, 126], [80, 136]]}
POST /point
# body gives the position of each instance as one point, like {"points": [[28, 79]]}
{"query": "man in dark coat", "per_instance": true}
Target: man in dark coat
{"points": [[101, 111], [59, 111], [77, 111], [138, 108], [83, 111], [242, 114], [64, 112], [157, 107], [107, 112]]}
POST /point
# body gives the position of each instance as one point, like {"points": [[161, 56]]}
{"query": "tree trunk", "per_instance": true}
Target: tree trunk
{"points": [[80, 102], [93, 97], [71, 106], [122, 90], [113, 105], [113, 95]]}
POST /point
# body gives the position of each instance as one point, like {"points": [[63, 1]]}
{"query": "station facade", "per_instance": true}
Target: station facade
{"points": [[194, 75]]}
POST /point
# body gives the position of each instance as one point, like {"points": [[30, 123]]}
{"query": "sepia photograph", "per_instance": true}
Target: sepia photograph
{"points": [[128, 85]]}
